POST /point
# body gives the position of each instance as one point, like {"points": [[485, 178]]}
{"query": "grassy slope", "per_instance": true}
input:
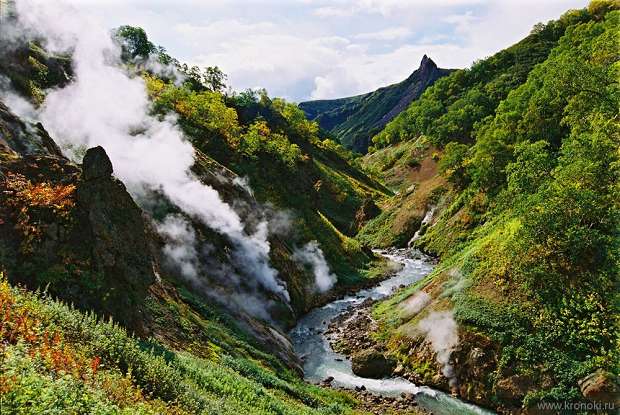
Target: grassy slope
{"points": [[55, 358], [410, 169], [502, 285]]}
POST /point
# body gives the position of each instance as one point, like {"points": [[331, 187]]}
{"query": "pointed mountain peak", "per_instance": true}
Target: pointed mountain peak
{"points": [[427, 62]]}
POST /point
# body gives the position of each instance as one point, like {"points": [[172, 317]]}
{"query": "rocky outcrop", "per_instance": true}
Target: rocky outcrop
{"points": [[601, 386], [96, 165], [405, 404], [76, 231], [115, 231], [24, 138], [349, 334]]}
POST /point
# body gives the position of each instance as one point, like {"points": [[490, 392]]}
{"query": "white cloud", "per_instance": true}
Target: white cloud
{"points": [[333, 12], [329, 48], [508, 22], [385, 8], [385, 34], [263, 54]]}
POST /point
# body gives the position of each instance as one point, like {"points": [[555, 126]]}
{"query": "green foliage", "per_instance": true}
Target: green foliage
{"points": [[532, 166], [134, 42], [213, 79], [451, 109], [531, 241], [204, 109], [571, 226], [206, 112], [259, 139], [137, 48], [452, 164], [58, 360], [578, 79]]}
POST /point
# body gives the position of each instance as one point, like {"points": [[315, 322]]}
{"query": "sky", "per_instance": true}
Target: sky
{"points": [[319, 49]]}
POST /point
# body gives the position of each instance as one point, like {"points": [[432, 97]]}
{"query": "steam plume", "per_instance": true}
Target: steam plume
{"points": [[414, 304], [180, 245], [105, 106], [312, 255], [440, 330]]}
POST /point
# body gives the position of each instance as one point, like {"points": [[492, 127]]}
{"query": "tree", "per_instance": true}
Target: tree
{"points": [[134, 42], [452, 164], [214, 79], [531, 168], [210, 78], [599, 8]]}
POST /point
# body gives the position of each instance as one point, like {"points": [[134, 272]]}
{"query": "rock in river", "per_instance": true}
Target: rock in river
{"points": [[372, 364]]}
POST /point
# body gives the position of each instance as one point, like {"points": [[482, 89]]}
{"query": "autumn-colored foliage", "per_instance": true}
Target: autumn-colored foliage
{"points": [[23, 193], [35, 204], [19, 323]]}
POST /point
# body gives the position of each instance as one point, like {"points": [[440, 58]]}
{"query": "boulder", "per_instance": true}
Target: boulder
{"points": [[600, 386], [372, 364], [513, 388]]}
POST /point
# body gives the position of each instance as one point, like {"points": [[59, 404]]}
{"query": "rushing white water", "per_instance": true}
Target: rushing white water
{"points": [[320, 361]]}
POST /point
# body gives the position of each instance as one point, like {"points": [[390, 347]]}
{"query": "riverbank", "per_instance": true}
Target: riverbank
{"points": [[329, 367]]}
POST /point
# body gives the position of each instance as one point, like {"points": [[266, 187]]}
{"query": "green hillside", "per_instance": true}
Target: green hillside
{"points": [[57, 359], [353, 121], [525, 217], [74, 231], [123, 292]]}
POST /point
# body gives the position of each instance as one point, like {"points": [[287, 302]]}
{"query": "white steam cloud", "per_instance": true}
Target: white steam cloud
{"points": [[440, 330], [244, 183], [107, 107], [312, 255], [154, 65], [180, 245], [414, 304]]}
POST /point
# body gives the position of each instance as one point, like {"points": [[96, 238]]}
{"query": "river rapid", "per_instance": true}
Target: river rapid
{"points": [[320, 361]]}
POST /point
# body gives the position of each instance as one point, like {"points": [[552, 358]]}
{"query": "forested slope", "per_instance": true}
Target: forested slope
{"points": [[524, 211], [181, 290]]}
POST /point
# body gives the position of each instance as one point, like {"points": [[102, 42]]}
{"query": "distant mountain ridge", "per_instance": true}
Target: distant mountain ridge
{"points": [[354, 120]]}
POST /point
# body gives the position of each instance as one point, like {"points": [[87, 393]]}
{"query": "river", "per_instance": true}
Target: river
{"points": [[320, 361]]}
